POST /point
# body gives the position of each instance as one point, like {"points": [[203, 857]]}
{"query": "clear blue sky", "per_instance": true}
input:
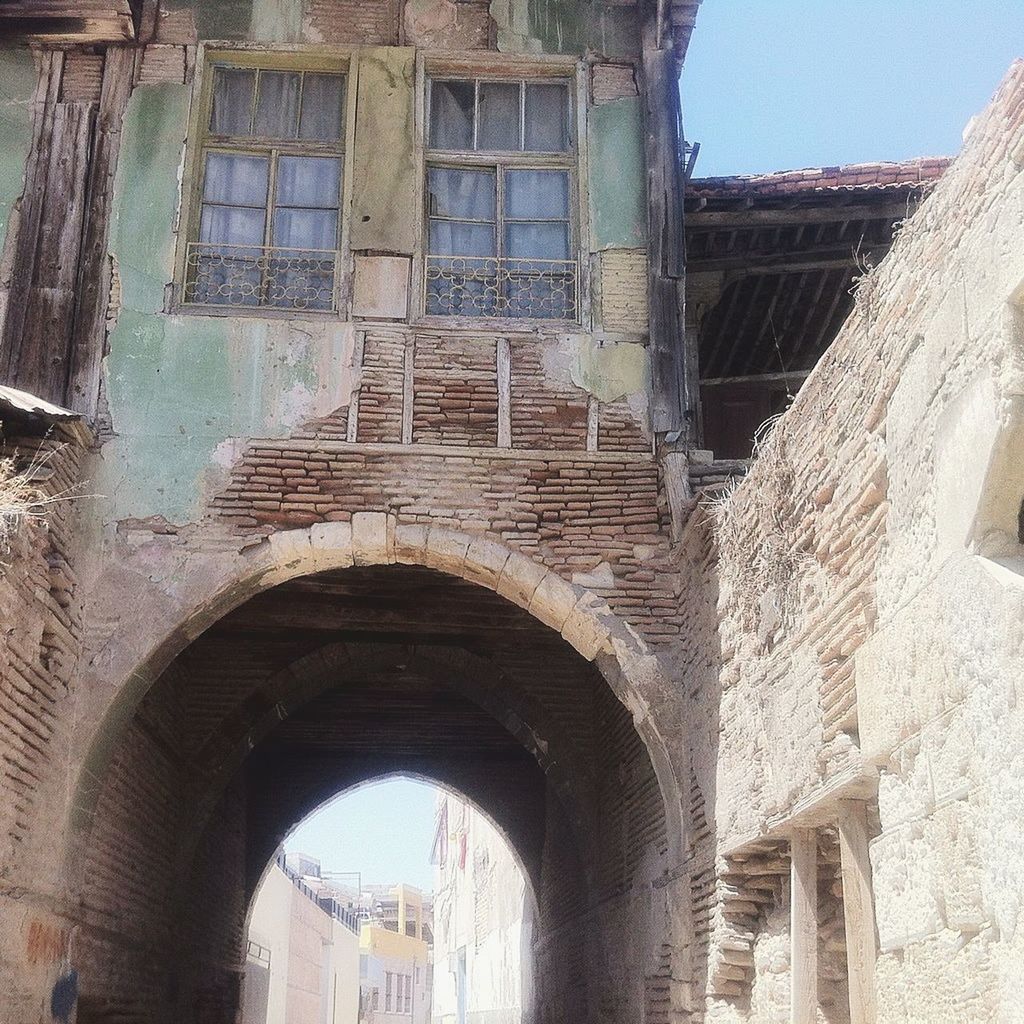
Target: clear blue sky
{"points": [[383, 831], [781, 84]]}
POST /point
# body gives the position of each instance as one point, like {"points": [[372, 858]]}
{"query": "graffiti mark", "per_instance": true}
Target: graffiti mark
{"points": [[46, 943]]}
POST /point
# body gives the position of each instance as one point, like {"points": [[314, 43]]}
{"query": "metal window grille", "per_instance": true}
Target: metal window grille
{"points": [[248, 276], [501, 287]]}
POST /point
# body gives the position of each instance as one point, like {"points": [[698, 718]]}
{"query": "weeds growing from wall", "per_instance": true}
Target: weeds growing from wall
{"points": [[23, 496], [762, 557]]}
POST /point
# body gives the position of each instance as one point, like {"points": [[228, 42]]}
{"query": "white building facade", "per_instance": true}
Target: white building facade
{"points": [[483, 922]]}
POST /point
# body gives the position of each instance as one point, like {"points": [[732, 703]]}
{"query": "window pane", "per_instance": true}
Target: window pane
{"points": [[546, 241], [457, 238], [231, 225], [323, 103], [236, 180], [547, 118], [451, 115], [453, 192], [308, 181], [498, 117], [536, 195], [232, 101], [306, 229], [277, 107]]}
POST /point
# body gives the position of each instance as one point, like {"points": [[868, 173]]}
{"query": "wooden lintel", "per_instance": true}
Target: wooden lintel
{"points": [[803, 925], [704, 219]]}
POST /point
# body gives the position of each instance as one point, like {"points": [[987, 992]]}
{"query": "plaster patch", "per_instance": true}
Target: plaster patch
{"points": [[610, 371]]}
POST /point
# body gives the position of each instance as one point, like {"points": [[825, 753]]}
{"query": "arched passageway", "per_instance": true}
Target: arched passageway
{"points": [[319, 684], [399, 895]]}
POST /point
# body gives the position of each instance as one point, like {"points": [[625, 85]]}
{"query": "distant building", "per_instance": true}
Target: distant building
{"points": [[302, 962], [483, 922], [395, 963]]}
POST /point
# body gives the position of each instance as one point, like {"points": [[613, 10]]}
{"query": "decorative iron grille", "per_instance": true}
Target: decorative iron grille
{"points": [[501, 287], [256, 276]]}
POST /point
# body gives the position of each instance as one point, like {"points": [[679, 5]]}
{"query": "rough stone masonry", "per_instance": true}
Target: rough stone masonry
{"points": [[759, 757]]}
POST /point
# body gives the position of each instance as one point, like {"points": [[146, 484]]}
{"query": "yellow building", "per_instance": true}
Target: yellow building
{"points": [[394, 966]]}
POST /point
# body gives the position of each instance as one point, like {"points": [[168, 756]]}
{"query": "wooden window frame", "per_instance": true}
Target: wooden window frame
{"points": [[504, 68], [200, 140]]}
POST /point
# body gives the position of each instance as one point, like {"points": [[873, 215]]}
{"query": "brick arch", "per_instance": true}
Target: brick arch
{"points": [[474, 677], [208, 583]]}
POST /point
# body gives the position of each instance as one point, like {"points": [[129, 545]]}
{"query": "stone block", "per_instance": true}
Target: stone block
{"points": [[520, 577], [370, 539], [553, 601], [905, 869], [331, 546]]}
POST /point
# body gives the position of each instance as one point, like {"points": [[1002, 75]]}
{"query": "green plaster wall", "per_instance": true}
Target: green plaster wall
{"points": [[182, 388], [618, 192], [277, 21], [566, 27], [384, 212], [219, 19], [18, 77]]}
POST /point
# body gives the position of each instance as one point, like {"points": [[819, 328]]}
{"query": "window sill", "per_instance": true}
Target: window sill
{"points": [[496, 325], [252, 312]]}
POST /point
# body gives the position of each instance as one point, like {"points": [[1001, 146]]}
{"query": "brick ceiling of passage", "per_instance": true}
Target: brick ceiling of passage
{"points": [[230, 667]]}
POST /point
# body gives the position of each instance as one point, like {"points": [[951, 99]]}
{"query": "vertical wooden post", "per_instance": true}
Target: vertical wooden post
{"points": [[88, 346], [674, 391], [804, 926], [503, 364], [858, 909]]}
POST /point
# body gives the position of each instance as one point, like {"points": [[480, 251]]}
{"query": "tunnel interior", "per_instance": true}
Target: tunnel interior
{"points": [[318, 685]]}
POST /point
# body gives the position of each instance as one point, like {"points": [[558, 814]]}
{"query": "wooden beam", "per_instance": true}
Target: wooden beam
{"points": [[858, 910], [795, 377], [703, 220], [674, 395], [786, 262], [804, 926], [93, 293]]}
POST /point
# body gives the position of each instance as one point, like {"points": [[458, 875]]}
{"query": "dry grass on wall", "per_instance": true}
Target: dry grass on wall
{"points": [[23, 496], [763, 549]]}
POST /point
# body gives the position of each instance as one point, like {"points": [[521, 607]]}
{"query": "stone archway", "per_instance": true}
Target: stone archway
{"points": [[258, 754]]}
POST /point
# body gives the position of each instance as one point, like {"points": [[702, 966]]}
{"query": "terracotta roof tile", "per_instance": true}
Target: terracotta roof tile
{"points": [[908, 173]]}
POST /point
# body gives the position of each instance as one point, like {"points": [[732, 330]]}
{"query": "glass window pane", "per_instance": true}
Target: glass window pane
{"points": [[277, 107], [451, 115], [232, 101], [323, 106], [236, 180], [457, 238], [498, 117], [544, 241], [231, 225], [547, 118], [453, 192], [308, 181], [306, 229], [536, 195]]}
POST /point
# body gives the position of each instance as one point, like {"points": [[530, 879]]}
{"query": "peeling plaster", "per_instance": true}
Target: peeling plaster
{"points": [[181, 389], [618, 200], [610, 371]]}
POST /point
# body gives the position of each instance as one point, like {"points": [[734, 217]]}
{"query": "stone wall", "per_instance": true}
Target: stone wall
{"points": [[855, 608]]}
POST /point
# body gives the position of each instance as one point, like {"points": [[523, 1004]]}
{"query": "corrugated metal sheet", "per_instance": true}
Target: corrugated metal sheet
{"points": [[13, 400]]}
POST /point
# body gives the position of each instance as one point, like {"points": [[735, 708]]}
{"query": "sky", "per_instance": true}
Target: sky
{"points": [[783, 84], [384, 831], [768, 85]]}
